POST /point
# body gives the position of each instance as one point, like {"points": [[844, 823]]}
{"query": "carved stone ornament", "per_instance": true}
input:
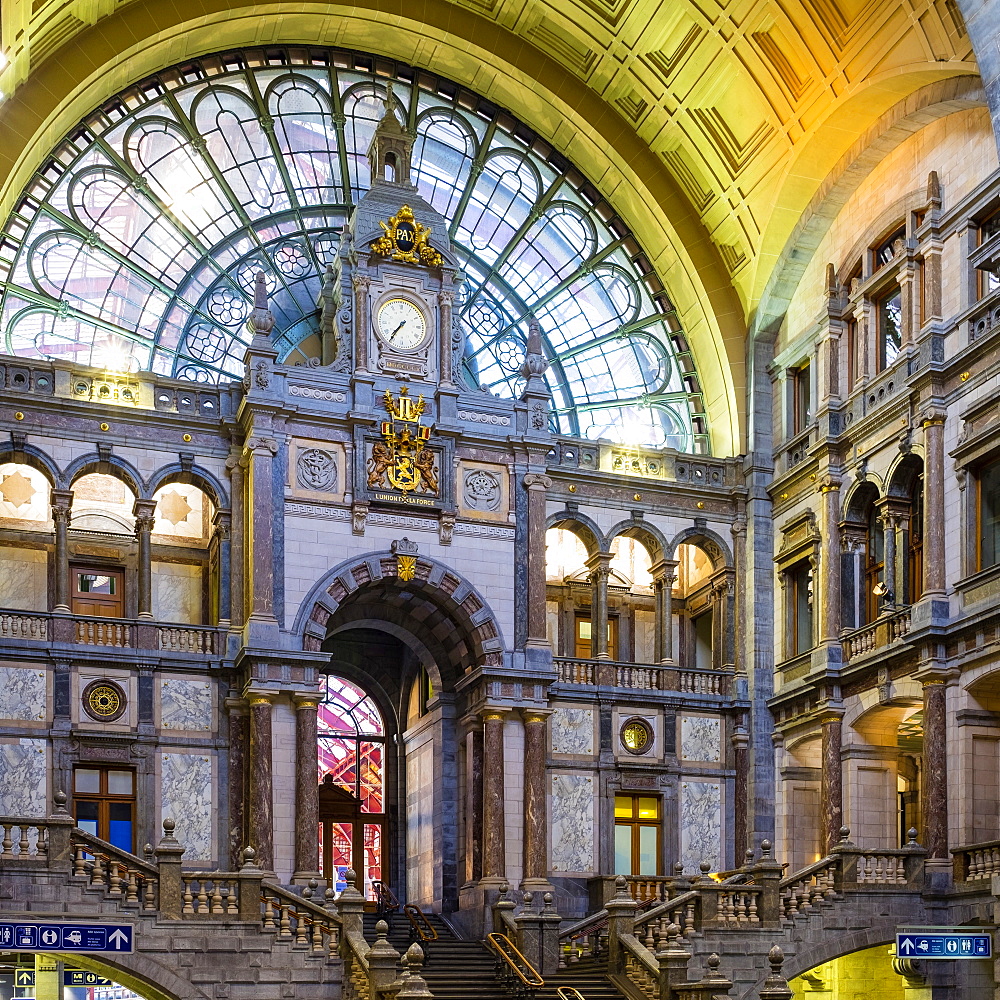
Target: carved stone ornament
{"points": [[104, 701], [406, 239], [316, 469], [481, 491], [405, 552]]}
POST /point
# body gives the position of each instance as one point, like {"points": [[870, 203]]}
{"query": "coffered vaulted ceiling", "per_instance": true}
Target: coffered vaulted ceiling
{"points": [[713, 128]]}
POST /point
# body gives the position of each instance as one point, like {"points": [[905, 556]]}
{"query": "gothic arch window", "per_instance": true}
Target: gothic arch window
{"points": [[135, 245]]}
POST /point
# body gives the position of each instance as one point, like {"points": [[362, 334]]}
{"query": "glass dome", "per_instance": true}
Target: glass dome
{"points": [[136, 244]]}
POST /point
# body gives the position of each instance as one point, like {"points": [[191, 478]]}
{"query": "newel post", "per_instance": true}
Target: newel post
{"points": [[60, 828], [351, 906], [673, 962], [250, 881], [767, 873], [382, 960], [621, 922], [168, 862]]}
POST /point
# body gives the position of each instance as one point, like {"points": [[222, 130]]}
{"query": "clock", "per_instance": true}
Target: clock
{"points": [[637, 736], [401, 325]]}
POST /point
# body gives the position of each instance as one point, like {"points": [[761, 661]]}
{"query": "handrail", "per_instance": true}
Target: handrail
{"points": [[311, 921], [814, 869], [664, 908], [88, 840], [384, 896], [592, 923], [426, 932], [508, 953], [569, 993]]}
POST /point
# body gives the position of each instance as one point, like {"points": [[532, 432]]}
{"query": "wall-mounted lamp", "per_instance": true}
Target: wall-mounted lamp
{"points": [[881, 590]]}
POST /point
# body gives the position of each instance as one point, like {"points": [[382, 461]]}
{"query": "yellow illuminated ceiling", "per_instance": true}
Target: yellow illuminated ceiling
{"points": [[713, 128]]}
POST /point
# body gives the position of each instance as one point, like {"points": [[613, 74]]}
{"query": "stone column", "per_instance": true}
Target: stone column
{"points": [[224, 555], [832, 786], [306, 788], [261, 794], [361, 285], [494, 844], [62, 505], [664, 574], [238, 544], [445, 300], [239, 737], [145, 511], [536, 832], [934, 780], [474, 805], [830, 603], [741, 763], [260, 563], [536, 484], [599, 565], [934, 513]]}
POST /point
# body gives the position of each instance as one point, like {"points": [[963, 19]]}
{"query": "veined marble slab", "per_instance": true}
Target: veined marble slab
{"points": [[24, 770], [701, 825], [22, 693], [572, 823], [186, 705], [701, 738], [186, 796], [572, 730]]}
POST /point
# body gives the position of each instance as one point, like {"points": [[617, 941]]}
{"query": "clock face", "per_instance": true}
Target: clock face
{"points": [[401, 324], [636, 736]]}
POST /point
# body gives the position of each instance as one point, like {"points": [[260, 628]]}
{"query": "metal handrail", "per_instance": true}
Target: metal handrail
{"points": [[426, 933], [385, 897], [507, 951], [569, 993]]}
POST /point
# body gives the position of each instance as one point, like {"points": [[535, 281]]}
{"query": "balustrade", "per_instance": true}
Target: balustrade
{"points": [[15, 626], [977, 862], [211, 894], [187, 639], [124, 878], [881, 632], [95, 632], [639, 676], [30, 840]]}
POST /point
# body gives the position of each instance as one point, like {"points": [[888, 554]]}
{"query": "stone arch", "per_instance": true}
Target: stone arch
{"points": [[582, 526], [710, 541], [654, 541], [443, 610], [902, 475], [110, 465], [140, 972], [858, 498], [28, 454], [190, 475]]}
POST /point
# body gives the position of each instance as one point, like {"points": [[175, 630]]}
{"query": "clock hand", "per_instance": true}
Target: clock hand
{"points": [[392, 336]]}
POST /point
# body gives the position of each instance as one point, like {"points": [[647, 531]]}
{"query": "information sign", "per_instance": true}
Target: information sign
{"points": [[67, 937], [944, 944]]}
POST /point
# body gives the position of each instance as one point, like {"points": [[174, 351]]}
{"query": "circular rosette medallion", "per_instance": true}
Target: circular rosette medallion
{"points": [[104, 701], [637, 736]]}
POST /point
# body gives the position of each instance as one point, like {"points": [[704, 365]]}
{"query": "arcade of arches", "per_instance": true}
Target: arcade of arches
{"points": [[507, 443]]}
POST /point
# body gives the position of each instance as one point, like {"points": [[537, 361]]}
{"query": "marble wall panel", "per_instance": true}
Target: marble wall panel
{"points": [[572, 826], [701, 825], [186, 796], [177, 593], [572, 730], [420, 822], [23, 579], [701, 738], [186, 704], [23, 778], [22, 693]]}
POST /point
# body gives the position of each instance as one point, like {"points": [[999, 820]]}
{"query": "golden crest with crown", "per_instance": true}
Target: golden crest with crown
{"points": [[406, 239], [402, 456]]}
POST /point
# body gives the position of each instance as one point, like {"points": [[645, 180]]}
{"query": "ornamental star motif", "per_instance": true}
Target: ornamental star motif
{"points": [[173, 507], [17, 489]]}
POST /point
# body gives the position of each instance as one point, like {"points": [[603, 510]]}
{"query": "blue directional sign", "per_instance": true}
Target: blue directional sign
{"points": [[944, 944], [67, 937]]}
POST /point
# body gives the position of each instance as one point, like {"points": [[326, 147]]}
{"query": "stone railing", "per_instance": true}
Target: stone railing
{"points": [[639, 676], [24, 840], [117, 633], [122, 876], [887, 629], [300, 920], [974, 862]]}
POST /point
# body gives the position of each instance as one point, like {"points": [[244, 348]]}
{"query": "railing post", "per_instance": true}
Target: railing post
{"points": [[673, 962], [60, 830], [775, 986], [767, 873], [351, 907], [709, 892], [382, 961], [250, 881], [549, 951], [710, 986], [849, 854], [621, 922], [168, 861], [914, 861], [413, 984]]}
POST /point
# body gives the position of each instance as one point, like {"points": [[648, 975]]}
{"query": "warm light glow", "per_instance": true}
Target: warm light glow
{"points": [[565, 555]]}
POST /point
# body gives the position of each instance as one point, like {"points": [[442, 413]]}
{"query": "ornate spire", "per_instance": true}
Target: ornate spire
{"points": [[261, 321], [391, 146], [534, 361]]}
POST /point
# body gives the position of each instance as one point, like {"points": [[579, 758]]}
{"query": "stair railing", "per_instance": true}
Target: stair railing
{"points": [[420, 927], [569, 993], [133, 883], [385, 898], [300, 920], [517, 975]]}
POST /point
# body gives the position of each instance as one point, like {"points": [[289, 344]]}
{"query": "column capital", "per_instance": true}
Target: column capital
{"points": [[260, 698], [537, 481], [144, 512], [932, 417], [533, 716], [61, 499], [829, 484], [306, 699], [494, 714], [599, 562]]}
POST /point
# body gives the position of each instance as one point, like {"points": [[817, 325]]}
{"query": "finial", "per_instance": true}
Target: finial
{"points": [[911, 837], [351, 878], [59, 797], [765, 850], [528, 899], [249, 857], [748, 857], [261, 321], [307, 892], [713, 963], [845, 834], [534, 360], [381, 930], [678, 869], [168, 826]]}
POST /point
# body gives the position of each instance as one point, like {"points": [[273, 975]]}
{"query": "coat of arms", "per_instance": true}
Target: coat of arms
{"points": [[406, 239], [402, 455]]}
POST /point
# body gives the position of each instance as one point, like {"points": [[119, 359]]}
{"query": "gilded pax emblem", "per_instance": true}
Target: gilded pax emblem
{"points": [[406, 239], [402, 456]]}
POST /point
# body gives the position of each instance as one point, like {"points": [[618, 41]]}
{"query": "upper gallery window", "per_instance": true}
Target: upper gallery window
{"points": [[140, 251], [801, 398], [890, 322], [989, 227], [886, 250], [800, 608], [988, 514]]}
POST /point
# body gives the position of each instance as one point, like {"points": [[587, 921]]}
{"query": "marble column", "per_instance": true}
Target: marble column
{"points": [[474, 805], [494, 843], [260, 452], [145, 512], [536, 484], [445, 301], [663, 593], [934, 513], [239, 737], [536, 832], [238, 545], [306, 788], [361, 285], [832, 785], [741, 763], [62, 506], [223, 536], [934, 779], [261, 793], [599, 565], [830, 603]]}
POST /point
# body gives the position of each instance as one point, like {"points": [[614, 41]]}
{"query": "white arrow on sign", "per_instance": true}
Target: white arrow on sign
{"points": [[906, 945], [118, 940]]}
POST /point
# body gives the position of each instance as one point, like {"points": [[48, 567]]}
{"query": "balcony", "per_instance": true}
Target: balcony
{"points": [[889, 628], [641, 677], [118, 633]]}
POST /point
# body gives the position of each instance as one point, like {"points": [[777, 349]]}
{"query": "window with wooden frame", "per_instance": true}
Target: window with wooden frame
{"points": [[885, 251], [853, 367], [988, 514], [874, 565], [104, 804], [915, 546], [98, 591], [800, 607], [987, 281], [889, 309], [801, 398], [638, 831], [583, 646]]}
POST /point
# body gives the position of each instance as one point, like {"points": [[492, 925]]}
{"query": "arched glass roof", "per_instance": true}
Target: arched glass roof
{"points": [[137, 242]]}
